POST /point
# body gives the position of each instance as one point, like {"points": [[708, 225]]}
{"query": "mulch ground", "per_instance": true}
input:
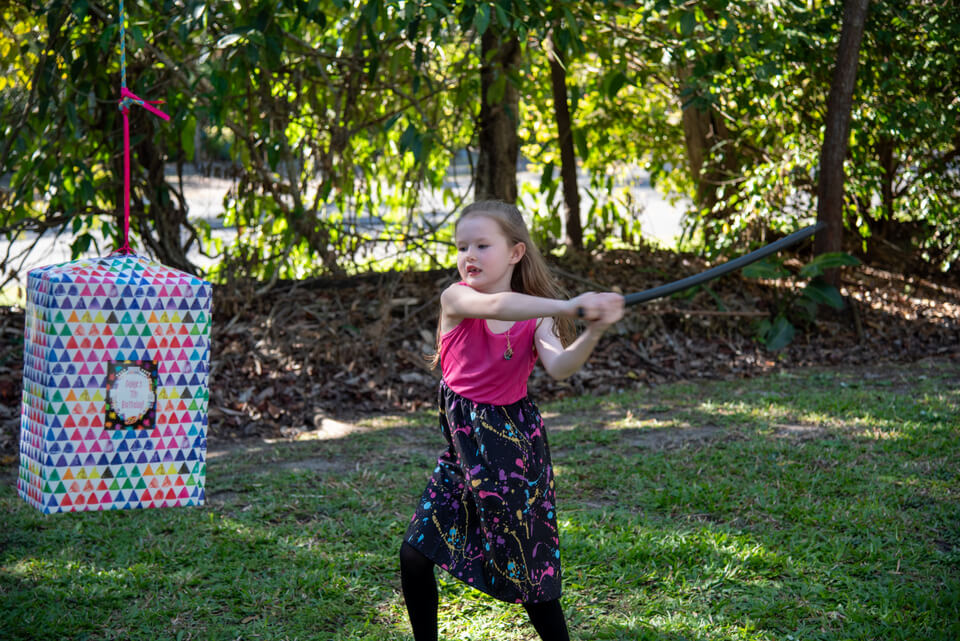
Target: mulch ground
{"points": [[284, 361]]}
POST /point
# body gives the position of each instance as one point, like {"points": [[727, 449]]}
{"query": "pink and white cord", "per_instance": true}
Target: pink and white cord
{"points": [[127, 98]]}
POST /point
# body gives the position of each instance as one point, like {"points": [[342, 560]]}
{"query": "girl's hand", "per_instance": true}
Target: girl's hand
{"points": [[577, 307], [600, 310]]}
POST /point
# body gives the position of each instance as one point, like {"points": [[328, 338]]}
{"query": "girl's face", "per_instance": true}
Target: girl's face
{"points": [[485, 256]]}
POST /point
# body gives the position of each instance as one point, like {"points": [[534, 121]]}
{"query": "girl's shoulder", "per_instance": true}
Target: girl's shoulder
{"points": [[448, 322], [453, 289]]}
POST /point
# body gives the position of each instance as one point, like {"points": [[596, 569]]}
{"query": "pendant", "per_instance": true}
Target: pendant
{"points": [[507, 355]]}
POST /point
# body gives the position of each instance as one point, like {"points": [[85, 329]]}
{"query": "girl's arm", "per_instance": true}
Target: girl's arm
{"points": [[561, 363], [462, 301]]}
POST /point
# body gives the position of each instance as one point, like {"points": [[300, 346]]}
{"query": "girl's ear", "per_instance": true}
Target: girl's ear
{"points": [[517, 252]]}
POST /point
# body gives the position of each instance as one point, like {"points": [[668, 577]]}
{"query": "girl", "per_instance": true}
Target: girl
{"points": [[487, 516]]}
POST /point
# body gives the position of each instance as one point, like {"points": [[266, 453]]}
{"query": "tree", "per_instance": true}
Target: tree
{"points": [[61, 133], [319, 105], [339, 117], [835, 139], [496, 172], [904, 163], [568, 158]]}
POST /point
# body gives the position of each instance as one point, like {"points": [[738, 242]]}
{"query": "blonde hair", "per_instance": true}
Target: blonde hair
{"points": [[531, 275]]}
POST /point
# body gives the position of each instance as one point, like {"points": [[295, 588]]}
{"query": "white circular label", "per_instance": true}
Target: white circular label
{"points": [[132, 394]]}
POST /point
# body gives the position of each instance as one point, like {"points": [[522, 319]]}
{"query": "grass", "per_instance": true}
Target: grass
{"points": [[803, 505]]}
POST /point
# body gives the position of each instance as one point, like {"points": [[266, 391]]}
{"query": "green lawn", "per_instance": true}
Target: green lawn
{"points": [[803, 505]]}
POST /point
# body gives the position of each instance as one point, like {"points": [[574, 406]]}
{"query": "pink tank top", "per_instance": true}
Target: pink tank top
{"points": [[473, 366]]}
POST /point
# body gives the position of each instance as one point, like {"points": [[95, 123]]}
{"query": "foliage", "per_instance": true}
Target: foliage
{"points": [[905, 164], [753, 77], [768, 76], [343, 121], [327, 108], [324, 103], [797, 307], [666, 63], [36, 54]]}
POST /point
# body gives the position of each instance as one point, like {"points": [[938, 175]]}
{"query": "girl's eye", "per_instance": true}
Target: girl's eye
{"points": [[482, 246]]}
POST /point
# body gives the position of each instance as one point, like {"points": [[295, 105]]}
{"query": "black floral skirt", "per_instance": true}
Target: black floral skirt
{"points": [[488, 516]]}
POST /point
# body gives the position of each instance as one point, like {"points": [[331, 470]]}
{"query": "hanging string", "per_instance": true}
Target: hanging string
{"points": [[127, 98]]}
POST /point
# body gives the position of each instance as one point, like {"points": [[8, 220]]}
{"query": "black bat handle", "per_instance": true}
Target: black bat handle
{"points": [[720, 270]]}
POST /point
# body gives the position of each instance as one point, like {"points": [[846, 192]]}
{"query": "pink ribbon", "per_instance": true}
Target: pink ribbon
{"points": [[127, 97]]}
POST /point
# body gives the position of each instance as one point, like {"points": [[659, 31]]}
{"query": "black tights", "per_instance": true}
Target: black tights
{"points": [[420, 594]]}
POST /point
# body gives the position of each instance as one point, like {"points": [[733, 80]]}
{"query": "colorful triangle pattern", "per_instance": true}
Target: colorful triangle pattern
{"points": [[80, 316]]}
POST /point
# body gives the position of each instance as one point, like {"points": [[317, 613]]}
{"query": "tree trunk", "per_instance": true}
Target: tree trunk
{"points": [[835, 138], [697, 132], [167, 216], [703, 133], [568, 159], [496, 176]]}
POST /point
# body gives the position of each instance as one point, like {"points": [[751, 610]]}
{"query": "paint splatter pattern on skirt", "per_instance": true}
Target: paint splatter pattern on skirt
{"points": [[487, 515]]}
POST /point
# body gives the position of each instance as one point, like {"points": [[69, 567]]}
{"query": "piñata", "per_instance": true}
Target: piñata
{"points": [[115, 386]]}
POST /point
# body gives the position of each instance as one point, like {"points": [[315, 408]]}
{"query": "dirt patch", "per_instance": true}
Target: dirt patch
{"points": [[306, 452], [221, 497], [671, 438], [316, 465], [593, 419], [799, 432]]}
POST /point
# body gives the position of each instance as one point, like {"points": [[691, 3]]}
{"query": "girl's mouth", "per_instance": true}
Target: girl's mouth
{"points": [[473, 271]]}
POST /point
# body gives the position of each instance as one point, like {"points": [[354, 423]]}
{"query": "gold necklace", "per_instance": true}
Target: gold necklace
{"points": [[508, 354]]}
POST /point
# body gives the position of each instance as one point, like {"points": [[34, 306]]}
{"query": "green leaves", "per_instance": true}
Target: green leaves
{"points": [[769, 269], [481, 19], [797, 307], [613, 82], [777, 334], [229, 40], [413, 141], [187, 135], [688, 21], [497, 89], [824, 294], [830, 260], [336, 107]]}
